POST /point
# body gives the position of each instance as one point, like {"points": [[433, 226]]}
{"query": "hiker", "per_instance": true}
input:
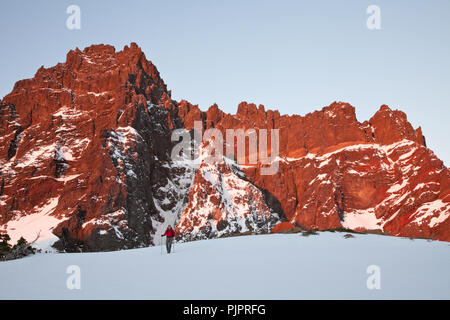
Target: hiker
{"points": [[170, 233]]}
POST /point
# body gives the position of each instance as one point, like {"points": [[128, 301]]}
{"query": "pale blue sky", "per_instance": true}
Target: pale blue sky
{"points": [[294, 56]]}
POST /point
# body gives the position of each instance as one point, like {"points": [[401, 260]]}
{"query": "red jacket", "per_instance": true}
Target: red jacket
{"points": [[169, 233]]}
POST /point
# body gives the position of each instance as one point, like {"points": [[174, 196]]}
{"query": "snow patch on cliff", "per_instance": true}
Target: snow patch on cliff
{"points": [[39, 221], [433, 213], [361, 219], [36, 155]]}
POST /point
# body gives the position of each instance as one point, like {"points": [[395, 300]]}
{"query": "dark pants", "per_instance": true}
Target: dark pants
{"points": [[169, 244]]}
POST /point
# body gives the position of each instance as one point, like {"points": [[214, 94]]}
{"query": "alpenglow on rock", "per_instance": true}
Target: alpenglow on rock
{"points": [[85, 159]]}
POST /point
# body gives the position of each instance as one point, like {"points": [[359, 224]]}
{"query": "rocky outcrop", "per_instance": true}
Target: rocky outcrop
{"points": [[85, 157], [86, 137], [336, 172], [223, 202]]}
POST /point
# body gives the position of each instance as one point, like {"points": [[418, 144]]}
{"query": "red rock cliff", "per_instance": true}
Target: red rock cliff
{"points": [[85, 150]]}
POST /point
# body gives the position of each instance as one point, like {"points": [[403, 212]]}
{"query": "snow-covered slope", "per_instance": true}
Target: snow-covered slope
{"points": [[276, 266]]}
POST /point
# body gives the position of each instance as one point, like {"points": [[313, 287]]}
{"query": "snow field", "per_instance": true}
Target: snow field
{"points": [[275, 266]]}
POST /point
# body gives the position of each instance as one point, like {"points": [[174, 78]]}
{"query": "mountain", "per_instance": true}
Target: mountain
{"points": [[86, 159]]}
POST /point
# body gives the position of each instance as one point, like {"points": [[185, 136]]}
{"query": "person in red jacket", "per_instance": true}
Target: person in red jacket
{"points": [[170, 234]]}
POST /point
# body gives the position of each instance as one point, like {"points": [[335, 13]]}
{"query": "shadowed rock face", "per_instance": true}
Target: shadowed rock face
{"points": [[86, 145]]}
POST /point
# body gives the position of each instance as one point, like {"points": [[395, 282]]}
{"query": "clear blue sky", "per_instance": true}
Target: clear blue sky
{"points": [[294, 56]]}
